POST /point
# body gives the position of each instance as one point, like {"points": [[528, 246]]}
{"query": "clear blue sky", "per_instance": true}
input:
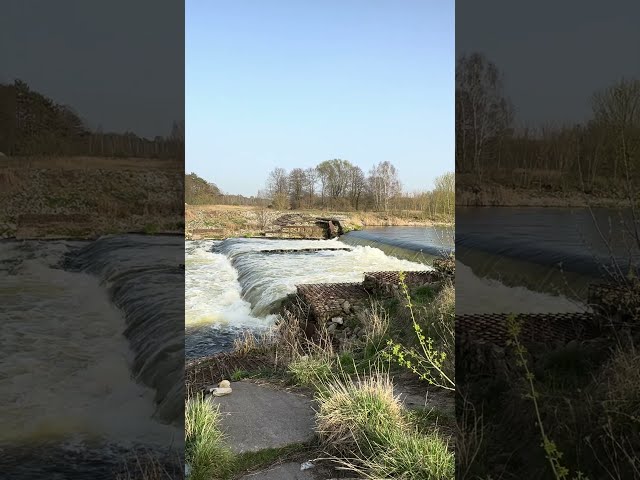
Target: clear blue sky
{"points": [[290, 83]]}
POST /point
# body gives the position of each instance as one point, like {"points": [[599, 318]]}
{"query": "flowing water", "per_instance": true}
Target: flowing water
{"points": [[520, 260], [91, 336], [235, 284], [418, 244], [554, 252]]}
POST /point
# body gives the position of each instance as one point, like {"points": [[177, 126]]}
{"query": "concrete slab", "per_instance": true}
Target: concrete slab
{"points": [[256, 417], [285, 471]]}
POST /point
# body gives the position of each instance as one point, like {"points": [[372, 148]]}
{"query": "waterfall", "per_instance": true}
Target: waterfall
{"points": [[145, 279]]}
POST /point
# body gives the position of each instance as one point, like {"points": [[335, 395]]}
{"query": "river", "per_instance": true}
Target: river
{"points": [[91, 354], [554, 252], [233, 285], [508, 260]]}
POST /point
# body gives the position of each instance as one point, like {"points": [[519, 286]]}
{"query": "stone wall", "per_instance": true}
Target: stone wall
{"points": [[329, 300], [388, 283], [547, 328]]}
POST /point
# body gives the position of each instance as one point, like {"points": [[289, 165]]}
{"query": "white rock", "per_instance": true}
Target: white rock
{"points": [[306, 466], [337, 320], [219, 392]]}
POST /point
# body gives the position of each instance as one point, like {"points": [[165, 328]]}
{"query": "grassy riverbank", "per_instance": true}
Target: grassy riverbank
{"points": [[539, 188], [538, 409], [364, 420], [223, 221], [84, 197]]}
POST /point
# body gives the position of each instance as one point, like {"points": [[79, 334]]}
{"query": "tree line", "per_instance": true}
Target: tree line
{"points": [[334, 185], [339, 185], [33, 124], [596, 154]]}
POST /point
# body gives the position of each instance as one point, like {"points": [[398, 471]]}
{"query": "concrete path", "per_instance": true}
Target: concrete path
{"points": [[286, 471], [256, 417], [291, 471]]}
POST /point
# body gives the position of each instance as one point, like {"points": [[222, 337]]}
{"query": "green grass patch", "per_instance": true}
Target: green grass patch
{"points": [[151, 229], [347, 363], [205, 450], [411, 456], [423, 294], [239, 374], [310, 371], [425, 420], [372, 434], [251, 461]]}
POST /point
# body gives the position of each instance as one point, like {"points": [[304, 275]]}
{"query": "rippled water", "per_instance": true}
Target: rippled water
{"points": [[234, 285], [553, 251], [422, 244], [555, 247], [72, 388]]}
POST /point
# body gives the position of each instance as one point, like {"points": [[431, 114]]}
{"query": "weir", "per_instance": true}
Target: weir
{"points": [[305, 250], [612, 305], [145, 280], [307, 232]]}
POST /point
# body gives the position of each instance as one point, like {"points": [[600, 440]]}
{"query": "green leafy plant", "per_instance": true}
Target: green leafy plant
{"points": [[205, 450], [552, 453], [427, 360]]}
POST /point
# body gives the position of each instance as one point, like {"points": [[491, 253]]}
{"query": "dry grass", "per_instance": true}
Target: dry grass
{"points": [[239, 220], [620, 380], [84, 163], [146, 467], [205, 451], [352, 413], [365, 424], [531, 188], [376, 327], [469, 438]]}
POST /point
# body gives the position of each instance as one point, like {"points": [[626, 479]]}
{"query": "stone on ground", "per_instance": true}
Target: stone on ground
{"points": [[255, 417]]}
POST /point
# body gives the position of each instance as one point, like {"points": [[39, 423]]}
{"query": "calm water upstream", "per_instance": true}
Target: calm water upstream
{"points": [[419, 244]]}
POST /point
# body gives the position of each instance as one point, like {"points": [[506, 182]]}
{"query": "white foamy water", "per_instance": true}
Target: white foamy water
{"points": [[215, 311], [490, 296], [65, 366], [233, 285]]}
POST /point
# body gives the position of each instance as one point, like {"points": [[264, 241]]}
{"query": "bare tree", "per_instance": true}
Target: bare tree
{"points": [[483, 114], [384, 184], [278, 182], [357, 185], [297, 182], [311, 177], [617, 112], [445, 193]]}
